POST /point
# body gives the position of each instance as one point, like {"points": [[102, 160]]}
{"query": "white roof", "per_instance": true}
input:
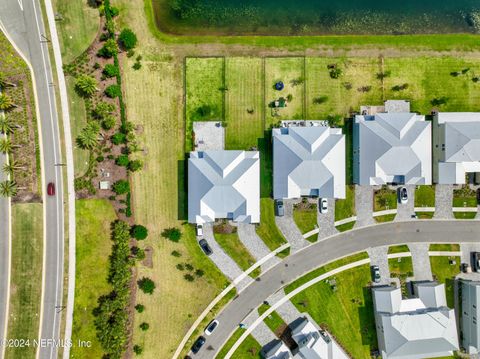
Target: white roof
{"points": [[393, 147], [224, 184], [308, 161], [461, 134], [414, 328]]}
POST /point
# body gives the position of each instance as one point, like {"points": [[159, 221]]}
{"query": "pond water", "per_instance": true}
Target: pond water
{"points": [[289, 17]]}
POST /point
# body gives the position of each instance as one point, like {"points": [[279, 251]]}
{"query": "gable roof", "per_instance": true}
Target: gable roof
{"points": [[224, 184], [308, 161], [385, 138], [414, 328]]}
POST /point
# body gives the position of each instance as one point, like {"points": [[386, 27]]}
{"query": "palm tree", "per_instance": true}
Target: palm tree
{"points": [[6, 102], [3, 81], [12, 166], [86, 85], [5, 146], [6, 126], [87, 139], [8, 188]]}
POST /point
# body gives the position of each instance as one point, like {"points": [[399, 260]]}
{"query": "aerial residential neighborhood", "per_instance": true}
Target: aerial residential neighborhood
{"points": [[215, 179]]}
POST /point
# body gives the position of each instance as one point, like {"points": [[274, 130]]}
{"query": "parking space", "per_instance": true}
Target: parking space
{"points": [[289, 229], [364, 205], [326, 221], [443, 201], [379, 257], [405, 211], [420, 261]]}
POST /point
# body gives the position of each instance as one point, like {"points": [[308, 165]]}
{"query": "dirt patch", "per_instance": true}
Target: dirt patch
{"points": [[148, 261], [224, 228]]}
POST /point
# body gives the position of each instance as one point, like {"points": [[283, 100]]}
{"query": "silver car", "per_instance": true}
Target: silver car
{"points": [[402, 195]]}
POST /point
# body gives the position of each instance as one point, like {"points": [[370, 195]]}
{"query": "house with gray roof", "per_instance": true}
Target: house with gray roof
{"points": [[276, 350], [469, 311], [419, 327], [308, 160], [456, 146], [392, 147], [224, 184]]}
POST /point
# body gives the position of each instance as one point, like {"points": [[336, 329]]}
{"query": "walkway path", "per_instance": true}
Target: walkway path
{"points": [[226, 264], [289, 229], [262, 333], [379, 256], [257, 248], [287, 310], [364, 205], [405, 211], [443, 201], [326, 221], [420, 261]]}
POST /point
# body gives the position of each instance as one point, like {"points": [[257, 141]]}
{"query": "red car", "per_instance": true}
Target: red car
{"points": [[51, 189]]}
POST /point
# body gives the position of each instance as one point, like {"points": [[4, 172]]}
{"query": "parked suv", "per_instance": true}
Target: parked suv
{"points": [[476, 261], [198, 344], [375, 274], [205, 247]]}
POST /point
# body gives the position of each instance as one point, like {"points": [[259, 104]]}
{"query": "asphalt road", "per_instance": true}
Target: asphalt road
{"points": [[22, 21], [327, 250]]}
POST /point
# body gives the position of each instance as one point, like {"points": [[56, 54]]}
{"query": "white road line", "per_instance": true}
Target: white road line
{"points": [[20, 3]]}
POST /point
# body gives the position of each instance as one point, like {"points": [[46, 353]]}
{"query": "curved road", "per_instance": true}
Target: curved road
{"points": [[22, 22], [330, 249]]}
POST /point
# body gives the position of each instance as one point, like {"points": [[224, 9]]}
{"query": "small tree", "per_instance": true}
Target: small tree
{"points": [[137, 349], [139, 232], [102, 110], [199, 273], [109, 49], [144, 326], [119, 138], [127, 39], [110, 70], [334, 120], [6, 102], [139, 253], [122, 160], [86, 85], [176, 254], [188, 267], [140, 308], [113, 91], [336, 73], [108, 122], [188, 277], [121, 187], [135, 165], [8, 188], [146, 285], [173, 234]]}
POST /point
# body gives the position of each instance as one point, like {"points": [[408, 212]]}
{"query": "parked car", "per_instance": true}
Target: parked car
{"points": [[375, 274], [279, 210], [205, 247], [478, 196], [198, 344], [402, 195], [323, 205], [51, 189], [199, 230], [211, 327], [476, 261]]}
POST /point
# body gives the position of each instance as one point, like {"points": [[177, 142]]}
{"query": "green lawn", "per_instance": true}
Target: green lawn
{"points": [[464, 215], [385, 218], [347, 313], [285, 69], [345, 208], [444, 272], [267, 229], [346, 227], [398, 249], [305, 218], [232, 245], [273, 321], [425, 196], [26, 277], [247, 350], [322, 270], [384, 199], [464, 197], [425, 215], [401, 268], [444, 247], [93, 250], [243, 102]]}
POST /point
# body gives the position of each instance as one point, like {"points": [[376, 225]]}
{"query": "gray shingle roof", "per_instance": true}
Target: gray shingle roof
{"points": [[224, 184], [308, 161]]}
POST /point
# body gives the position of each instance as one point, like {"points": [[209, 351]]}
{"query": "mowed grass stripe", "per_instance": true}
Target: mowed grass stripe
{"points": [[26, 277], [243, 102]]}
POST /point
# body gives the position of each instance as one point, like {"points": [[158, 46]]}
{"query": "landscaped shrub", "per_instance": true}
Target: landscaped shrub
{"points": [[137, 349], [139, 253], [176, 254], [173, 234], [122, 160], [109, 49], [121, 187], [199, 273], [144, 326], [102, 109], [110, 70], [113, 91], [188, 267], [127, 39], [119, 138], [188, 277], [135, 165], [139, 232], [86, 85], [146, 285], [180, 266], [140, 308], [109, 122], [137, 66]]}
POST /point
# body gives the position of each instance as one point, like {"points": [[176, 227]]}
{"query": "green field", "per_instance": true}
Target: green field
{"points": [[464, 215], [444, 272], [234, 248], [267, 230], [464, 197], [26, 277], [243, 102], [93, 249], [305, 218], [425, 196], [444, 247], [384, 198], [287, 70], [247, 350], [347, 313], [385, 218], [345, 208], [424, 215], [398, 249], [346, 227], [273, 320]]}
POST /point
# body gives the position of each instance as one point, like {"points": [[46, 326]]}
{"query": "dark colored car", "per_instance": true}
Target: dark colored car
{"points": [[476, 261], [51, 189], [279, 208], [198, 344], [205, 247], [478, 196]]}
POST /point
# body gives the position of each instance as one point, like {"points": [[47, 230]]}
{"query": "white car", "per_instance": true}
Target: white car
{"points": [[199, 230], [402, 195], [323, 205], [211, 327]]}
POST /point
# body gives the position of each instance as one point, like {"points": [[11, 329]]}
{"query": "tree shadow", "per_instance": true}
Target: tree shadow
{"points": [[182, 181], [266, 164], [367, 320]]}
